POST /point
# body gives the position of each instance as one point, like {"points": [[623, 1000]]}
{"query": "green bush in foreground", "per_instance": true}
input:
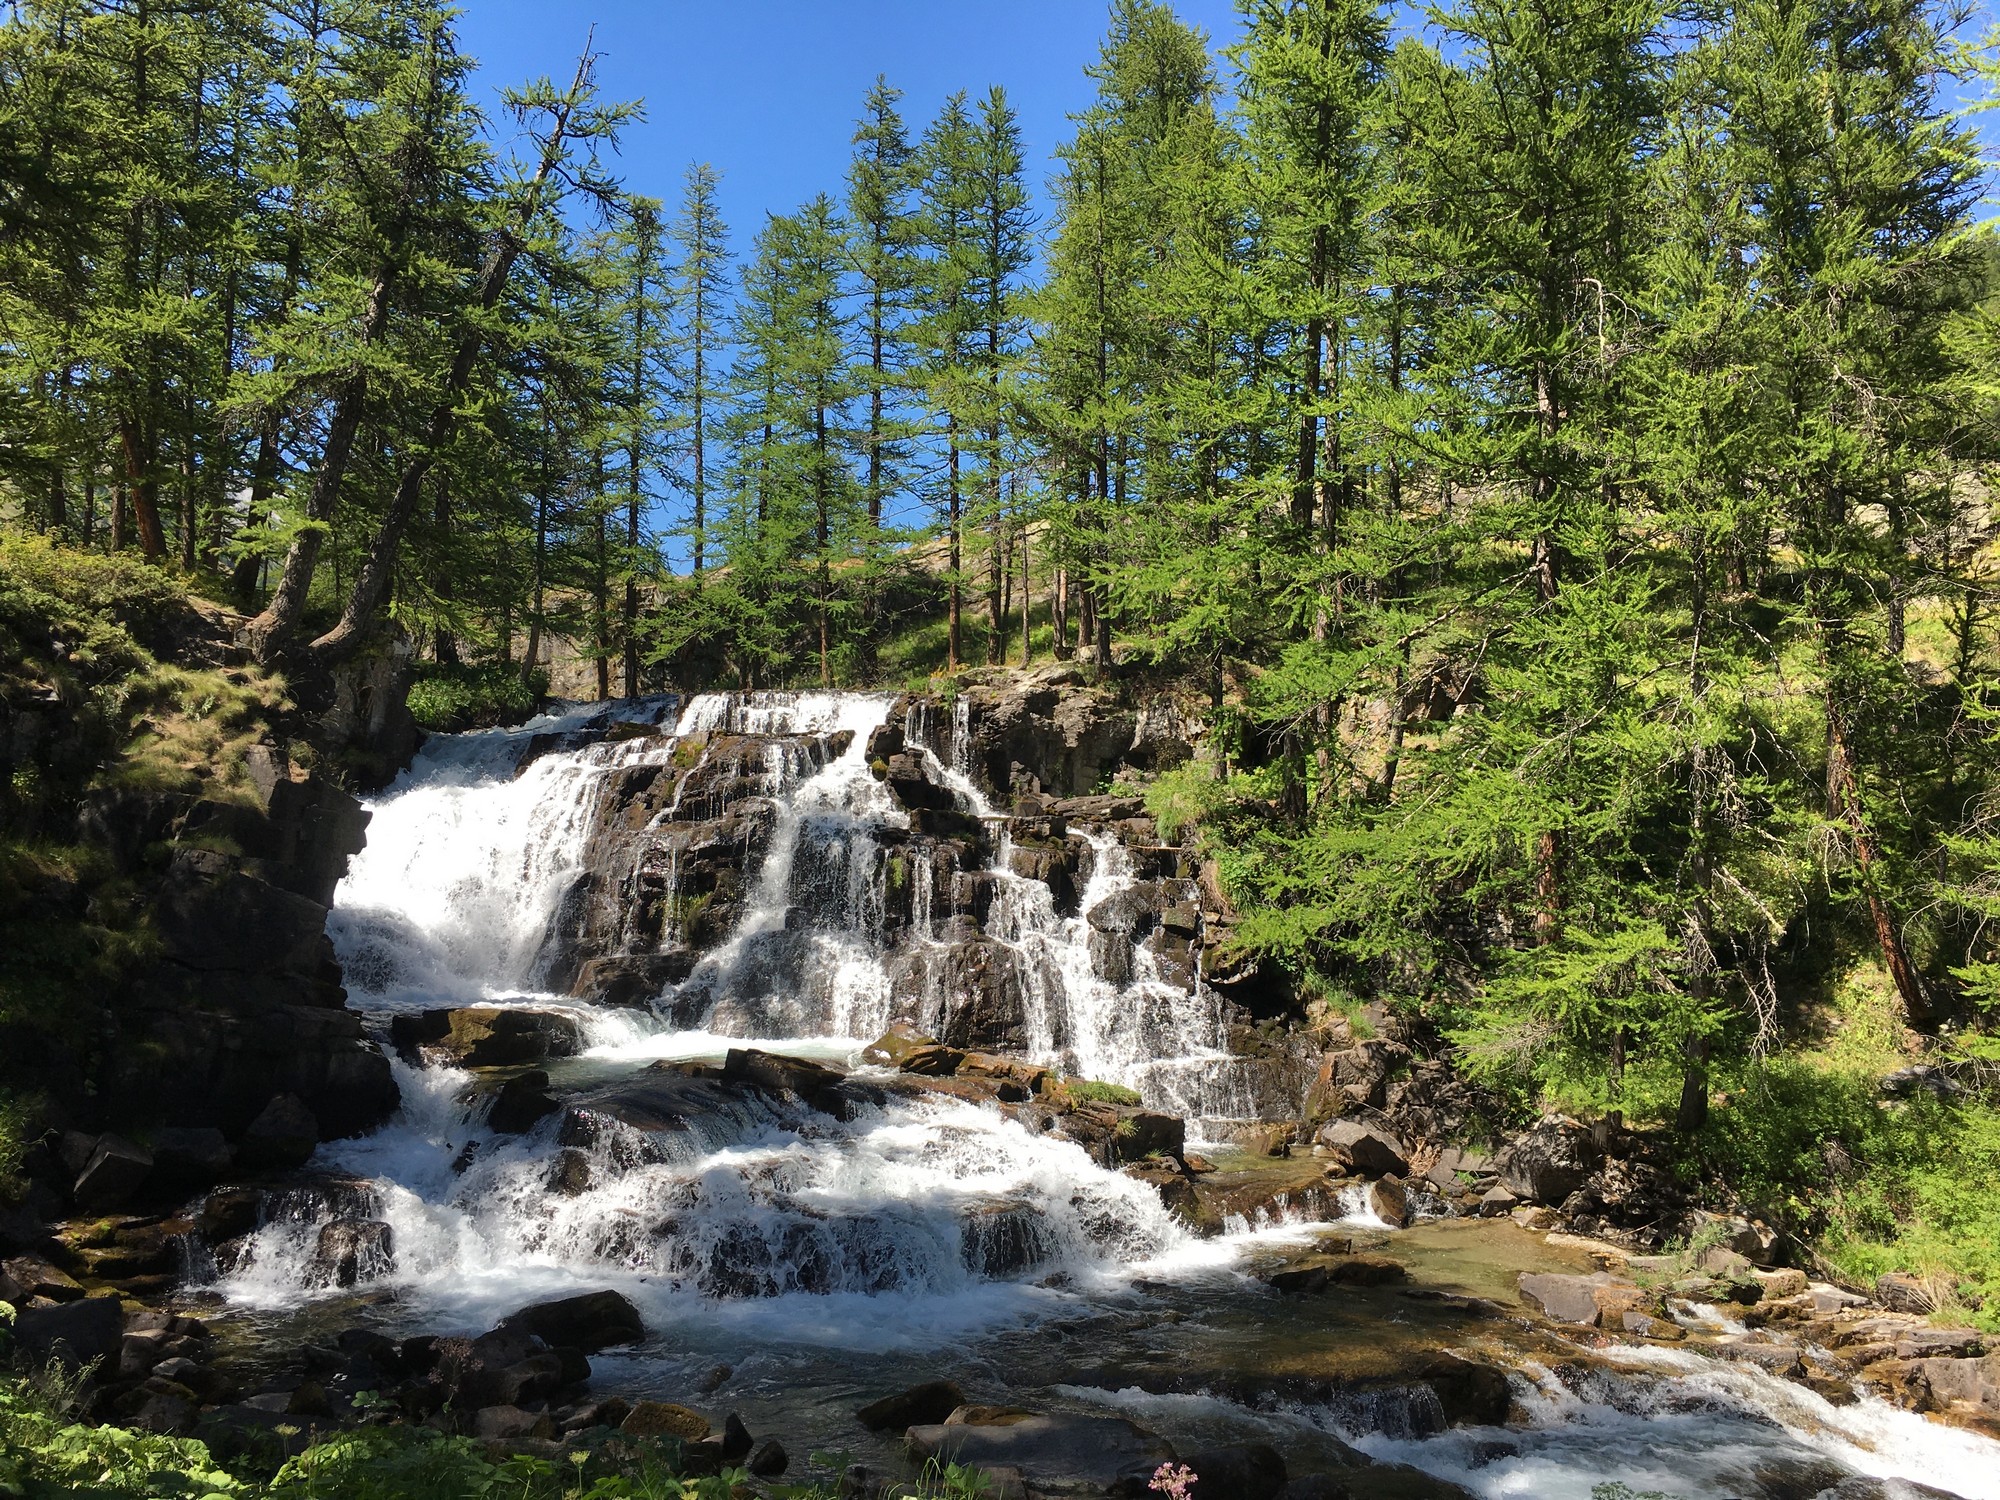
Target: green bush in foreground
{"points": [[45, 1453]]}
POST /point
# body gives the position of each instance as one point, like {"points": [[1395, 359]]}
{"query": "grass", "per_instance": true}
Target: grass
{"points": [[1090, 1091], [1873, 1184]]}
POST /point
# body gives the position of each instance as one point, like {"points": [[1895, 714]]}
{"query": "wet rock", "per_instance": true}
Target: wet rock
{"points": [[73, 1333], [1364, 1150], [282, 1137], [1778, 1359], [736, 1440], [1247, 1471], [350, 1251], [1056, 1454], [117, 1169], [631, 981], [769, 1460], [570, 1175], [1001, 1240], [521, 1103], [1368, 1270], [485, 1036], [1648, 1325], [1389, 1201], [590, 1322], [651, 1419], [919, 1406], [895, 1045]]}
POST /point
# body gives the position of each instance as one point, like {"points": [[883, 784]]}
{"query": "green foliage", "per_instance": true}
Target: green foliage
{"points": [[44, 1452], [1180, 799], [451, 699]]}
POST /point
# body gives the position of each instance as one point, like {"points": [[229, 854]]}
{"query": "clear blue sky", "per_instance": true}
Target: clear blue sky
{"points": [[768, 90]]}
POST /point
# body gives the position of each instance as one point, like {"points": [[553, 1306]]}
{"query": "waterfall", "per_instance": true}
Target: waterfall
{"points": [[467, 859], [796, 1244]]}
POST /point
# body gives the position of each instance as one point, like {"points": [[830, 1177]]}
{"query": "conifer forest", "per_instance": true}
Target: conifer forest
{"points": [[1537, 454]]}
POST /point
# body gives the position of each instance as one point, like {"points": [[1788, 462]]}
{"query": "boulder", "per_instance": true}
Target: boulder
{"points": [[769, 1460], [189, 1159], [1899, 1291], [651, 1419], [509, 1424], [736, 1440], [73, 1333], [1547, 1162], [507, 1367], [521, 1103], [1057, 1454], [590, 1322], [899, 1042], [117, 1169], [1778, 1359], [1787, 1283], [1567, 1299], [919, 1406], [1365, 1150], [1969, 1383], [1389, 1201], [487, 1036], [282, 1137], [1497, 1202], [34, 1277]]}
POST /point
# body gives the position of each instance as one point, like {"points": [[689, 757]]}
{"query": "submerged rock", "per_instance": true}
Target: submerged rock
{"points": [[920, 1405], [1057, 1454]]}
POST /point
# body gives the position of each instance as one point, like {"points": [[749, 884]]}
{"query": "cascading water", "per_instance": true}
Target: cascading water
{"points": [[805, 1253]]}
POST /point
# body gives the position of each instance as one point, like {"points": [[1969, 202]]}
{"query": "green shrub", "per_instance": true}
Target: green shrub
{"points": [[452, 699]]}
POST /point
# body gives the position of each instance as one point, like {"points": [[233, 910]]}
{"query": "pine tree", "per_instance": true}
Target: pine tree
{"points": [[883, 237], [701, 274], [995, 268], [950, 198]]}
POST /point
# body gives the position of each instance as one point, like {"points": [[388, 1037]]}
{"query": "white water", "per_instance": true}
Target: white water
{"points": [[921, 1225], [917, 1219]]}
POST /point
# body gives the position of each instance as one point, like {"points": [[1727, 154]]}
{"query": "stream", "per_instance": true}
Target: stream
{"points": [[792, 1266]]}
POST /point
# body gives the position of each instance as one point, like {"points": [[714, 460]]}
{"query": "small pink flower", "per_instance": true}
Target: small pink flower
{"points": [[1175, 1481]]}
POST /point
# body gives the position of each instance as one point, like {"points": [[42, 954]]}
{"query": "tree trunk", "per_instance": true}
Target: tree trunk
{"points": [[957, 604], [1027, 604], [371, 584], [143, 488], [1844, 789], [271, 633]]}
